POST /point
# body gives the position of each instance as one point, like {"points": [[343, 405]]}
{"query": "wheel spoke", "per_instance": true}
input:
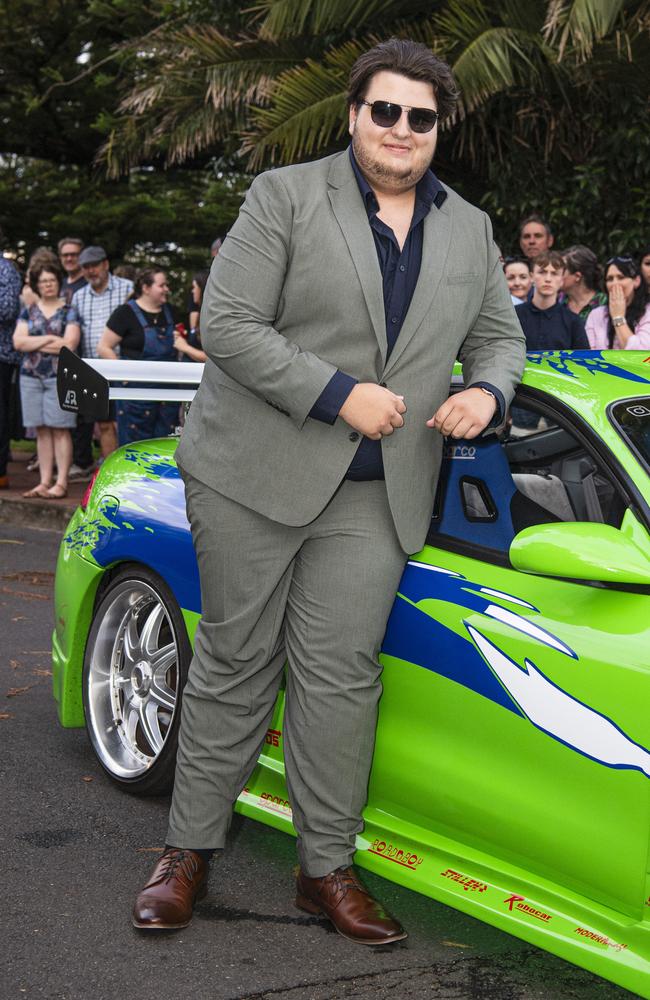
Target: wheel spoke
{"points": [[131, 645], [151, 726], [151, 631], [163, 659], [162, 694], [131, 718]]}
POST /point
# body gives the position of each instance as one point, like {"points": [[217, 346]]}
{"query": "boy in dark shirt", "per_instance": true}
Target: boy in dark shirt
{"points": [[547, 325]]}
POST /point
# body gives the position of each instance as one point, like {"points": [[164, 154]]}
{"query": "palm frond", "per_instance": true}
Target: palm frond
{"points": [[290, 18], [580, 24], [307, 111]]}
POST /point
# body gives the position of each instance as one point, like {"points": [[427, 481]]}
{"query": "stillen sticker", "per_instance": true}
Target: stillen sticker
{"points": [[466, 881]]}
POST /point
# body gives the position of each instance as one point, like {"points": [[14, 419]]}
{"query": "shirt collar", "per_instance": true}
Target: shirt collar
{"points": [[549, 313], [428, 190]]}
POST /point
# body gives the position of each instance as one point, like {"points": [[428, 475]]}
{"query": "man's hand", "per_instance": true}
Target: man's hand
{"points": [[373, 410], [465, 414]]}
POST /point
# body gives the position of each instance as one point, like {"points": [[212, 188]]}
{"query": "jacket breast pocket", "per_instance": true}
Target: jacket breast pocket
{"points": [[462, 279]]}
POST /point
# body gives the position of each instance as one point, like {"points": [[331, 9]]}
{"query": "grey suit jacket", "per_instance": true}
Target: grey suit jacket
{"points": [[294, 294]]}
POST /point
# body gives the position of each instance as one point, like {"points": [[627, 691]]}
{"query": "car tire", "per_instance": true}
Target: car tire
{"points": [[135, 667]]}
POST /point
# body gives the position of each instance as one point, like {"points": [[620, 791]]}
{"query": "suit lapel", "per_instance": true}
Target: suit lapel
{"points": [[347, 205], [435, 244]]}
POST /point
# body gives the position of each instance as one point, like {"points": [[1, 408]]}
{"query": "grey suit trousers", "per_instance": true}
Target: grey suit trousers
{"points": [[317, 596]]}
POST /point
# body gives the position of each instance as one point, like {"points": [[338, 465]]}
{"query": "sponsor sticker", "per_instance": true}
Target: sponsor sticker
{"points": [[275, 803], [519, 903], [272, 737], [466, 451], [398, 855], [600, 938], [468, 884]]}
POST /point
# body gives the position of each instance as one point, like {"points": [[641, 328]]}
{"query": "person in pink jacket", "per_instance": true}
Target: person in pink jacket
{"points": [[624, 323]]}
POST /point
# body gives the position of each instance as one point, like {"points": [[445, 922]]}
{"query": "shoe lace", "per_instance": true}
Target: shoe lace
{"points": [[178, 864], [345, 879]]}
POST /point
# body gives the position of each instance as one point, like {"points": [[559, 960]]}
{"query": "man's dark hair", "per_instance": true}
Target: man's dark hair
{"points": [[539, 219], [40, 268], [410, 59], [78, 242]]}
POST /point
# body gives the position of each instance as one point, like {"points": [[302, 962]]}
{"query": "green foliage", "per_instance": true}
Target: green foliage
{"points": [[164, 217]]}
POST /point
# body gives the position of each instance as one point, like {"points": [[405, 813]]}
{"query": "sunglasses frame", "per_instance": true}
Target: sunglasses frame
{"points": [[403, 107]]}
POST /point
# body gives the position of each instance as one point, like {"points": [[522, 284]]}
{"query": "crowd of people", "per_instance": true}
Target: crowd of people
{"points": [[73, 299], [565, 300]]}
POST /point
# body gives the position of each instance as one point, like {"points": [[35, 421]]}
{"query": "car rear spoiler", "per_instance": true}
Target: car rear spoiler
{"points": [[86, 386]]}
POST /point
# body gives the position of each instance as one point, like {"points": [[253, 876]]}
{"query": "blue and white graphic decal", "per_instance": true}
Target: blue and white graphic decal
{"points": [[559, 714], [593, 362], [415, 634], [147, 524]]}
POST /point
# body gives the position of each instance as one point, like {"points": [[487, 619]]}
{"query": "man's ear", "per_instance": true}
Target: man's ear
{"points": [[352, 118], [551, 240]]}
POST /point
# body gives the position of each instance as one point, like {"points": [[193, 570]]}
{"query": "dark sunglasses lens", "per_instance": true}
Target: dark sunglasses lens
{"points": [[385, 114], [422, 120]]}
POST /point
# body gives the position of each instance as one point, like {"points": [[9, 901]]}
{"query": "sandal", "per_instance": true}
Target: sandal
{"points": [[57, 492], [41, 491]]}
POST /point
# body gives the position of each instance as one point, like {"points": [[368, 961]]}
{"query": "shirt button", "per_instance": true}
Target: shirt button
{"points": [[393, 319], [402, 268], [354, 436]]}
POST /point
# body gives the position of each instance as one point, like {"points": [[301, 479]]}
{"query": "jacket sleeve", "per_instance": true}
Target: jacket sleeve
{"points": [[494, 349], [242, 299]]}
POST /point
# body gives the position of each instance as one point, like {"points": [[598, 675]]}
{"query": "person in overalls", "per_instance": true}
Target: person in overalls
{"points": [[143, 330]]}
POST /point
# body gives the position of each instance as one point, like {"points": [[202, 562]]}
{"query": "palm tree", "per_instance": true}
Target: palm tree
{"points": [[528, 71]]}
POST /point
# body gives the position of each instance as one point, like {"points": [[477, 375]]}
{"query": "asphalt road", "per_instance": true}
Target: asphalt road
{"points": [[76, 851]]}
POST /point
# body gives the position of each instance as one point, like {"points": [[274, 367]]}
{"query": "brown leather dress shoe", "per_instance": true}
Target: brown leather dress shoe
{"points": [[179, 879], [350, 907]]}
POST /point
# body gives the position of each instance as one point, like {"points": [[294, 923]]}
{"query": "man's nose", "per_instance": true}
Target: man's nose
{"points": [[401, 126]]}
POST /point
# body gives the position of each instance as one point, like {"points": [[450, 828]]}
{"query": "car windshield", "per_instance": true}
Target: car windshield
{"points": [[632, 420]]}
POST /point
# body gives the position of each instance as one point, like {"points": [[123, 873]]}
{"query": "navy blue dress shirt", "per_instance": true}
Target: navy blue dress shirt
{"points": [[400, 269]]}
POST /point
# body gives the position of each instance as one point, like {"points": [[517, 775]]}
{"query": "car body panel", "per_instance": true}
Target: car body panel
{"points": [[511, 775]]}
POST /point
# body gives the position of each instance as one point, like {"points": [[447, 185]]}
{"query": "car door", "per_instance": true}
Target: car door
{"points": [[515, 708]]}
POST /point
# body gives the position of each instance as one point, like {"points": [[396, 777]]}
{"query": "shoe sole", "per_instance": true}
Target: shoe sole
{"points": [[302, 903], [142, 926]]}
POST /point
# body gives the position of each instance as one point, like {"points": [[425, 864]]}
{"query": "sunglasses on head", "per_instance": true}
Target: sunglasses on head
{"points": [[628, 262], [385, 114]]}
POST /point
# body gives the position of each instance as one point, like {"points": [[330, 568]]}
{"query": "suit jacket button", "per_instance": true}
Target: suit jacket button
{"points": [[354, 436]]}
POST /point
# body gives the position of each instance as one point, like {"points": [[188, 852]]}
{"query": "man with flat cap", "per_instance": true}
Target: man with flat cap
{"points": [[332, 319], [92, 306]]}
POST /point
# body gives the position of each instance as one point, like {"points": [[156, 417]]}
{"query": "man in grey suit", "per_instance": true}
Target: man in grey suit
{"points": [[333, 316]]}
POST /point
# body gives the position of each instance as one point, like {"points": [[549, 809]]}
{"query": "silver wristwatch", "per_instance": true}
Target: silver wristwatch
{"points": [[618, 321]]}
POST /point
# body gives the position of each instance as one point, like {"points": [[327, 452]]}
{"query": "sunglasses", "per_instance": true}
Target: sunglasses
{"points": [[628, 262], [385, 114]]}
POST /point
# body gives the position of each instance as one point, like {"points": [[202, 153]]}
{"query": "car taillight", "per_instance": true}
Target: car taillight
{"points": [[85, 500]]}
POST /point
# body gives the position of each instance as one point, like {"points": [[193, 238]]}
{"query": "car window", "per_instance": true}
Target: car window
{"points": [[631, 418], [535, 472]]}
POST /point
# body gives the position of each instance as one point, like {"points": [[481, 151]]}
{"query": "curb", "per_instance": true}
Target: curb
{"points": [[35, 514]]}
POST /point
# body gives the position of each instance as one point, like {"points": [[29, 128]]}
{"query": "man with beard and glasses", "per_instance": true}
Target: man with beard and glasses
{"points": [[332, 319]]}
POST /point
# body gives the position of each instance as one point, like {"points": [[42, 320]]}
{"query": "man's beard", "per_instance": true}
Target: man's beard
{"points": [[393, 177]]}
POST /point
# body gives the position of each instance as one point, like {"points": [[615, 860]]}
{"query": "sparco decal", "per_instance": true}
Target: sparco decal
{"points": [[464, 880], [466, 451], [405, 858], [275, 803], [600, 938], [519, 903], [272, 737]]}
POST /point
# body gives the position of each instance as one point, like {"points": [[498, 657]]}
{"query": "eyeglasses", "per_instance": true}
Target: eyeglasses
{"points": [[385, 114]]}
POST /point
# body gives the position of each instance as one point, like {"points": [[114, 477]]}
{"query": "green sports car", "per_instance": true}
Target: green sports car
{"points": [[511, 775]]}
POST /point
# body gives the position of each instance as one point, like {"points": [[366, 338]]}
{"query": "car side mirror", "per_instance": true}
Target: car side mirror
{"points": [[585, 551]]}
